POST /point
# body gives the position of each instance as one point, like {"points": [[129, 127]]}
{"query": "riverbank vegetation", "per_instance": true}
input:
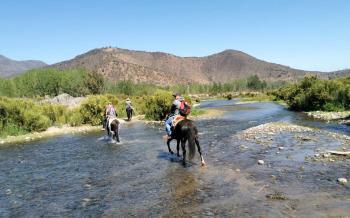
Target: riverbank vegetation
{"points": [[311, 94], [23, 110], [78, 82]]}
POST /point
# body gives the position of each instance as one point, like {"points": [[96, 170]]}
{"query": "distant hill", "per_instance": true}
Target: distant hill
{"points": [[165, 69], [339, 73], [10, 67]]}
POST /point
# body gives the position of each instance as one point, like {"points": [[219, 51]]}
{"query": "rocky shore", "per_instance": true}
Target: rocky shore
{"points": [[342, 117], [327, 146]]}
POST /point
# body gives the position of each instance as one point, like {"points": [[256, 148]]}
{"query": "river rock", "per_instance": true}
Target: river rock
{"points": [[342, 181], [87, 186], [8, 191], [326, 155], [261, 162], [243, 147], [280, 148]]}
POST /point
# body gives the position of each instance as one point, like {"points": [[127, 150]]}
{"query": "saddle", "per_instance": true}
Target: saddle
{"points": [[177, 119]]}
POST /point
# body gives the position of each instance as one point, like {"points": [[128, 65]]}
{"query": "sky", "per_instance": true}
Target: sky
{"points": [[303, 34]]}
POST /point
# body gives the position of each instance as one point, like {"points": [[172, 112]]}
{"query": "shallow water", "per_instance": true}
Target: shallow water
{"points": [[82, 175]]}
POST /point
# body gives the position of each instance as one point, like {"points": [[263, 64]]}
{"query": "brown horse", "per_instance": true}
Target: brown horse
{"points": [[185, 131], [114, 131]]}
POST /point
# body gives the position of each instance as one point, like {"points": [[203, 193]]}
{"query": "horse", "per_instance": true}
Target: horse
{"points": [[185, 131], [114, 131], [129, 112]]}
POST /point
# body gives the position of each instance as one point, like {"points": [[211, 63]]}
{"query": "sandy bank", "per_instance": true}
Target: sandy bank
{"points": [[52, 131]]}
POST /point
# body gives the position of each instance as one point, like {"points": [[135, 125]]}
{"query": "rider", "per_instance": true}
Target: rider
{"points": [[110, 112], [173, 112], [128, 105]]}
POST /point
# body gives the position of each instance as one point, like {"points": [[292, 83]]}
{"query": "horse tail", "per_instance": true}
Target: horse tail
{"points": [[191, 136]]}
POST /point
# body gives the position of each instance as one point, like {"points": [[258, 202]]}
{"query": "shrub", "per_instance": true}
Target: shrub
{"points": [[158, 106], [56, 113], [32, 121], [21, 114], [93, 108], [312, 93], [75, 118]]}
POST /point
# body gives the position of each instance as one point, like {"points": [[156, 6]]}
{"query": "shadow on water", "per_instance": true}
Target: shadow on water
{"points": [[84, 176]]}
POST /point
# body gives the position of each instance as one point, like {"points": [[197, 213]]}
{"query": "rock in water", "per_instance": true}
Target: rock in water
{"points": [[8, 191], [342, 181], [261, 162]]}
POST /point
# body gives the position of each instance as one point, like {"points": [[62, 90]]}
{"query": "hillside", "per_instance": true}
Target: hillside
{"points": [[339, 73], [10, 67], [163, 68]]}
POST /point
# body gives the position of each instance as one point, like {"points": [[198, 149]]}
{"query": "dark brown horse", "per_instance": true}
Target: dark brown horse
{"points": [[129, 112], [186, 131], [114, 131]]}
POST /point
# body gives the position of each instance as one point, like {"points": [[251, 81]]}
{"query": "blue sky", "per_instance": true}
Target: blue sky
{"points": [[304, 34]]}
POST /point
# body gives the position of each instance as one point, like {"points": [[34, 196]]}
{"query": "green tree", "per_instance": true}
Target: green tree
{"points": [[95, 82], [254, 83]]}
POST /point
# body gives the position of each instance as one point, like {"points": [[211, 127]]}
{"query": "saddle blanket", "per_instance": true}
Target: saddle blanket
{"points": [[177, 119]]}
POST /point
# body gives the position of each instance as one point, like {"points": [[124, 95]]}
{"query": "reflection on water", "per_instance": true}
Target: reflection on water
{"points": [[82, 175]]}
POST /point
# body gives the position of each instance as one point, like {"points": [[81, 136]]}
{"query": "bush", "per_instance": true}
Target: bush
{"points": [[56, 113], [93, 108], [75, 118], [32, 121], [312, 93], [158, 106], [22, 115]]}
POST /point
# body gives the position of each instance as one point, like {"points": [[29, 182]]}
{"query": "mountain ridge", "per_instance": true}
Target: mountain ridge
{"points": [[9, 67], [143, 66]]}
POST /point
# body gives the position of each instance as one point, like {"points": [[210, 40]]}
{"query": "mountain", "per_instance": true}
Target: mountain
{"points": [[339, 73], [10, 67], [165, 69]]}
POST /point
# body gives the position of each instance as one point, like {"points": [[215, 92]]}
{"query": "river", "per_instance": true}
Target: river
{"points": [[84, 176]]}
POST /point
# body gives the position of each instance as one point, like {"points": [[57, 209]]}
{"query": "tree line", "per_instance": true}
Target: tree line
{"points": [[79, 82]]}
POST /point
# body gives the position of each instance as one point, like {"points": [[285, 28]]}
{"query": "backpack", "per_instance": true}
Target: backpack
{"points": [[185, 108]]}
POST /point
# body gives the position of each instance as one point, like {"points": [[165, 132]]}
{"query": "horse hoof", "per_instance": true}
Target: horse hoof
{"points": [[203, 164], [171, 152]]}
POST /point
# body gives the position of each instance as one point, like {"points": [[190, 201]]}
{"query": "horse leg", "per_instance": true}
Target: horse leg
{"points": [[183, 143], [108, 131], [168, 143], [116, 134], [199, 151], [178, 147]]}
